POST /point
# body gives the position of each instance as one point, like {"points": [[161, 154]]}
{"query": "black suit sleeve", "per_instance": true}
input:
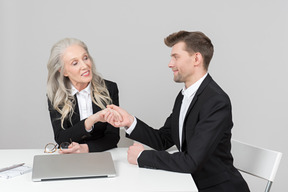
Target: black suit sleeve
{"points": [[101, 138], [74, 131], [201, 140]]}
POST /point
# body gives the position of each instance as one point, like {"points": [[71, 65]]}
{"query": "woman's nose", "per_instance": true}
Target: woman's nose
{"points": [[83, 64]]}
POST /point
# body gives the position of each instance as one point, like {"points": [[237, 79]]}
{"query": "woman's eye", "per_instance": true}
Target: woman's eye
{"points": [[74, 63], [85, 57]]}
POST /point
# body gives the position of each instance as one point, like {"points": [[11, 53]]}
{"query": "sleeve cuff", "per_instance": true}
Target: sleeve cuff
{"points": [[132, 127], [89, 130]]}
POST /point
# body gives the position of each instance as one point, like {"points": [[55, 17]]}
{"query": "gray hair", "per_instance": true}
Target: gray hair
{"points": [[59, 88]]}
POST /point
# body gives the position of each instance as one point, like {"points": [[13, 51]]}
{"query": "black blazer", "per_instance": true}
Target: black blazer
{"points": [[101, 138], [205, 151]]}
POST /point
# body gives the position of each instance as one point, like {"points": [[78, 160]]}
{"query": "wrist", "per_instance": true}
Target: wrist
{"points": [[89, 123], [131, 120], [84, 148]]}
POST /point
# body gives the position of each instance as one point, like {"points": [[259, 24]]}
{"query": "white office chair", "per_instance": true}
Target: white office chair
{"points": [[259, 162]]}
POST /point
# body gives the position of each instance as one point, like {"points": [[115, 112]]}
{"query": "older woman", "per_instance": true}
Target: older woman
{"points": [[77, 98]]}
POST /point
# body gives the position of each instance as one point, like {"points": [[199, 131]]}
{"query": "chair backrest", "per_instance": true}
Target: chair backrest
{"points": [[259, 162]]}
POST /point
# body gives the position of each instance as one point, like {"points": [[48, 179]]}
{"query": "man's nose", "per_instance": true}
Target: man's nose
{"points": [[171, 63]]}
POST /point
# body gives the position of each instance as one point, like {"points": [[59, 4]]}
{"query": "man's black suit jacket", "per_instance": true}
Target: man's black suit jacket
{"points": [[101, 138], [205, 151]]}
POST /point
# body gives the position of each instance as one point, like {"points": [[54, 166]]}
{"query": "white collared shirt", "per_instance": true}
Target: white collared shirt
{"points": [[84, 101], [188, 95]]}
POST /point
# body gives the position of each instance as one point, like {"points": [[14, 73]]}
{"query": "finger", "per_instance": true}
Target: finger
{"points": [[65, 151], [75, 148], [136, 144], [71, 148], [72, 145], [117, 114], [106, 115], [109, 118], [102, 114], [110, 106], [130, 150], [112, 117], [117, 124], [114, 107]]}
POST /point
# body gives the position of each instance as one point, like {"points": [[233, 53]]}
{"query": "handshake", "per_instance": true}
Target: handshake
{"points": [[115, 116]]}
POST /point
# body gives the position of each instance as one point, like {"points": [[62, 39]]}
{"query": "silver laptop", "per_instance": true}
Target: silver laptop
{"points": [[72, 166]]}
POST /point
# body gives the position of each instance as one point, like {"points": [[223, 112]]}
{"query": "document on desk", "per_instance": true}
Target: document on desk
{"points": [[14, 170]]}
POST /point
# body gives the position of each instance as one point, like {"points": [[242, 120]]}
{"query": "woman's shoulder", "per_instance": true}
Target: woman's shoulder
{"points": [[110, 84]]}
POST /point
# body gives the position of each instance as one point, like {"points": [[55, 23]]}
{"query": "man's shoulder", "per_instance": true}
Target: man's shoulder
{"points": [[212, 86], [211, 89]]}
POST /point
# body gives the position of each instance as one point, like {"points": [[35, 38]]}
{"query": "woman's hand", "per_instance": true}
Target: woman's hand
{"points": [[75, 148]]}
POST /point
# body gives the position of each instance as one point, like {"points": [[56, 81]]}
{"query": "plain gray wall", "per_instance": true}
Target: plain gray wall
{"points": [[126, 40]]}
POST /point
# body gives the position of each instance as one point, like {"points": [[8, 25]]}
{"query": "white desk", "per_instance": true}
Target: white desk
{"points": [[129, 177]]}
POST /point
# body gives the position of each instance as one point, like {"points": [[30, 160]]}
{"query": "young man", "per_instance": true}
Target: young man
{"points": [[200, 124]]}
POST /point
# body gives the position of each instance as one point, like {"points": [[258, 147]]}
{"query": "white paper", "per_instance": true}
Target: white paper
{"points": [[15, 172]]}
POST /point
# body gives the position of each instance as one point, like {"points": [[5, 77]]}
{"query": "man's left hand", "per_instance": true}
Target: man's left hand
{"points": [[133, 153]]}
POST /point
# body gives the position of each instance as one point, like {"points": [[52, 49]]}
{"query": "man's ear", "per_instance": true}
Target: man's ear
{"points": [[198, 59]]}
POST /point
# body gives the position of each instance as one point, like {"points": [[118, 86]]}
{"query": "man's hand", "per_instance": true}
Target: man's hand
{"points": [[133, 153]]}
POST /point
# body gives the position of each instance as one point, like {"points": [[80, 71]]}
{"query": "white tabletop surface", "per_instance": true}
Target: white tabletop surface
{"points": [[129, 177]]}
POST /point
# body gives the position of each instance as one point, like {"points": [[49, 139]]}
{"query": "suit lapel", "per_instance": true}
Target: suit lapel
{"points": [[175, 119], [76, 114], [205, 82]]}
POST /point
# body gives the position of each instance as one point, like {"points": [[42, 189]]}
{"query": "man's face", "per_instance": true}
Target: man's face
{"points": [[181, 63]]}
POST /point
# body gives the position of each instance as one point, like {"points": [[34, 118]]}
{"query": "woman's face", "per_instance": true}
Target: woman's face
{"points": [[77, 66]]}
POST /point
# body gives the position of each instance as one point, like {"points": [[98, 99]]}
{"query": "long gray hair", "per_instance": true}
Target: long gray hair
{"points": [[59, 86]]}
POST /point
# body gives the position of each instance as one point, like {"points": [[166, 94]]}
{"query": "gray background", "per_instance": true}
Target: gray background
{"points": [[126, 40]]}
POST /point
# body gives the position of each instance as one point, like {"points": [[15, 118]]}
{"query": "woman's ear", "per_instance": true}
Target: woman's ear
{"points": [[64, 73]]}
